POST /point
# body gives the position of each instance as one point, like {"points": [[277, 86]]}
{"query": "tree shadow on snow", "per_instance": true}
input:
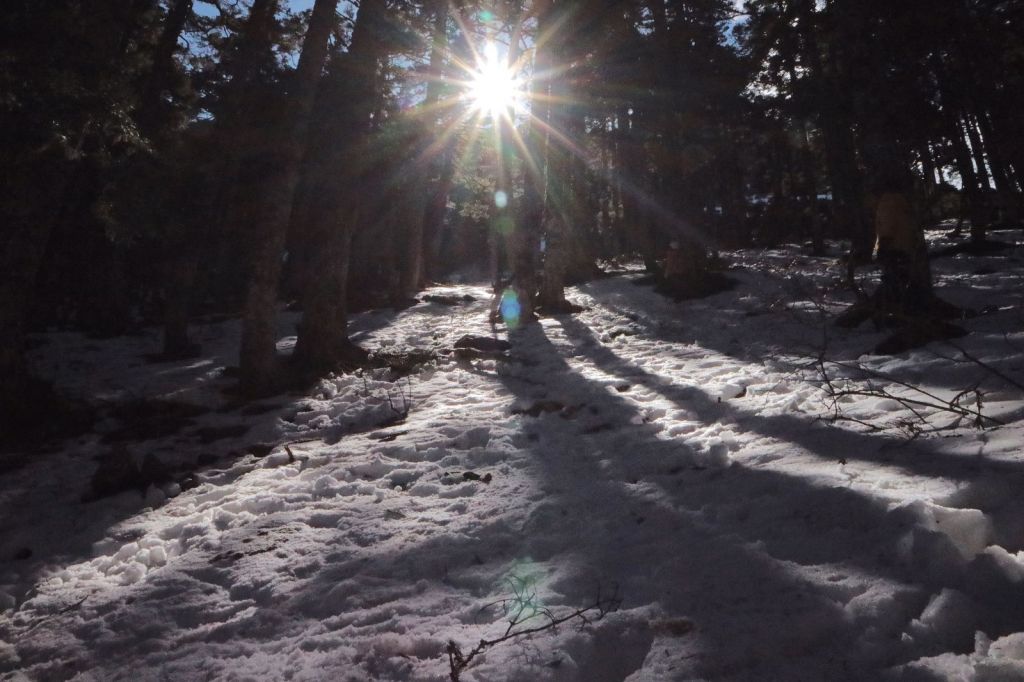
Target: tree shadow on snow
{"points": [[737, 330], [730, 548], [639, 520], [819, 439], [763, 597]]}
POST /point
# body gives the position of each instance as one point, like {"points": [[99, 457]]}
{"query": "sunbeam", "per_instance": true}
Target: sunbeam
{"points": [[494, 88]]}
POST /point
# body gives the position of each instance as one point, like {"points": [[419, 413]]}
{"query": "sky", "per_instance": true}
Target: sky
{"points": [[205, 9], [299, 5]]}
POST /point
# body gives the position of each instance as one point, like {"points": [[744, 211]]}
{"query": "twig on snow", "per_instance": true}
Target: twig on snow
{"points": [[521, 608]]}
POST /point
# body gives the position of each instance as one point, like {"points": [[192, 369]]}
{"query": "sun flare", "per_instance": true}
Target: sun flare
{"points": [[494, 87]]}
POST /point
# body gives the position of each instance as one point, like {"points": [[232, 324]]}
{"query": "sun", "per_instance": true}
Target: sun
{"points": [[493, 86]]}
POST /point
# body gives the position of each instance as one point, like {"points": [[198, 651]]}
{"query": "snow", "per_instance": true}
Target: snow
{"points": [[678, 455]]}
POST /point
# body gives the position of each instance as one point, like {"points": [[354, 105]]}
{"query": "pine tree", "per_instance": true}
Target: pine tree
{"points": [[279, 167], [323, 334]]}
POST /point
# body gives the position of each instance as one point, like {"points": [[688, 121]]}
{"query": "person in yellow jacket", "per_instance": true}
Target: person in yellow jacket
{"points": [[902, 253], [904, 299]]}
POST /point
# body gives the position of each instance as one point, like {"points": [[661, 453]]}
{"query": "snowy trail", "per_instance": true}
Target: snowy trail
{"points": [[669, 451], [638, 492]]}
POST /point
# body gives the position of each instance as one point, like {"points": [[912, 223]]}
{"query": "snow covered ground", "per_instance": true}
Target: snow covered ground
{"points": [[676, 456]]}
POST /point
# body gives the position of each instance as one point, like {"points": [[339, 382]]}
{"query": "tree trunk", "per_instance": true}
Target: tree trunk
{"points": [[323, 335], [553, 158], [154, 119], [964, 165], [152, 114], [258, 353], [410, 232], [634, 191], [928, 170], [977, 151], [995, 158], [179, 279], [524, 239], [980, 204], [442, 169], [1009, 135], [434, 217], [817, 232], [30, 210], [840, 150]]}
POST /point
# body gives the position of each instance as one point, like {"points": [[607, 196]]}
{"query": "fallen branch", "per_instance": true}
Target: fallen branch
{"points": [[521, 608], [966, 404], [987, 367]]}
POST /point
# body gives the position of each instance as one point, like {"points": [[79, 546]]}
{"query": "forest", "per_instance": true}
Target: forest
{"points": [[168, 160], [338, 336]]}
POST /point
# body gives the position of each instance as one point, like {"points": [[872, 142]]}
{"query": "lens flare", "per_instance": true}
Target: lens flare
{"points": [[510, 308], [503, 225]]}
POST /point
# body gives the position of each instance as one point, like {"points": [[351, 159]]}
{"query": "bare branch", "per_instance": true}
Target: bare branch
{"points": [[914, 398], [987, 367], [523, 602]]}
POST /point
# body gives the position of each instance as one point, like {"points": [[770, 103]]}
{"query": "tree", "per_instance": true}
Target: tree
{"points": [[341, 187], [279, 168], [66, 74], [156, 113]]}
